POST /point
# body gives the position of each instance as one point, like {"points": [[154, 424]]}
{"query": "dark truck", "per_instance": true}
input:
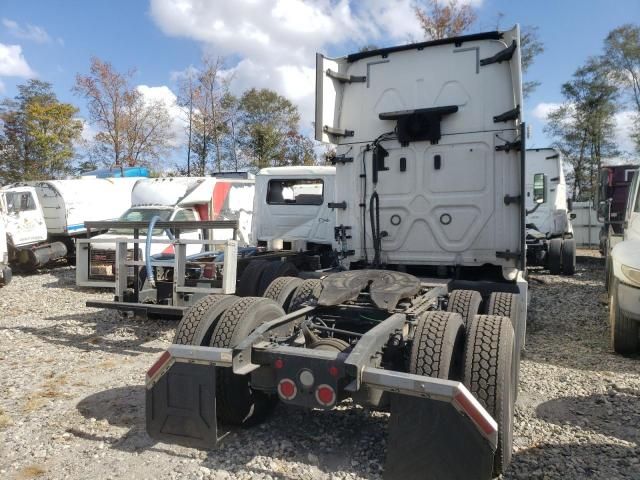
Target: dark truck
{"points": [[425, 315]]}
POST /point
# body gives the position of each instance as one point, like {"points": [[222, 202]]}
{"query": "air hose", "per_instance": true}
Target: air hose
{"points": [[147, 248]]}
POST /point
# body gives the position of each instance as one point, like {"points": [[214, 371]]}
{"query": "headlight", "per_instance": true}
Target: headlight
{"points": [[632, 274]]}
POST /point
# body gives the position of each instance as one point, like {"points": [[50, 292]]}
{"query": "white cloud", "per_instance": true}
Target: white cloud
{"points": [[13, 63], [165, 96], [28, 32], [274, 41], [542, 110], [624, 124]]}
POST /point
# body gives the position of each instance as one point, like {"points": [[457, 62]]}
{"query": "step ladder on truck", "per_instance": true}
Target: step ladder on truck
{"points": [[426, 315]]}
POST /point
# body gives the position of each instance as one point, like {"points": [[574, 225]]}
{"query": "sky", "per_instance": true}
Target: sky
{"points": [[272, 43]]}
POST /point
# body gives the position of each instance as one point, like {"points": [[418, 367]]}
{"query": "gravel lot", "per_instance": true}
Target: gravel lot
{"points": [[71, 396]]}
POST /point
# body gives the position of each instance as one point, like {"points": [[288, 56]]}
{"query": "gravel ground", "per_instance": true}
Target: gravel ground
{"points": [[71, 396]]}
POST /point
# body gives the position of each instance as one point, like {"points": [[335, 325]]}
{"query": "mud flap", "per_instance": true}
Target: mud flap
{"points": [[431, 439], [181, 406]]}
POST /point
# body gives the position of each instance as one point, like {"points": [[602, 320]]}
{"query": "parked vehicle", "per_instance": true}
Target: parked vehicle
{"points": [[612, 195], [425, 315], [292, 221], [624, 279], [183, 199], [43, 219], [550, 241]]}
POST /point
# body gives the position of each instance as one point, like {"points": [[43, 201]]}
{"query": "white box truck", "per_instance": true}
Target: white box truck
{"points": [[425, 315], [43, 219]]}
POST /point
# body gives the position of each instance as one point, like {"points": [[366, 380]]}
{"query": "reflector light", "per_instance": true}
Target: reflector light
{"points": [[161, 362], [306, 378], [333, 371], [474, 414], [169, 250], [278, 363], [325, 395], [287, 389]]}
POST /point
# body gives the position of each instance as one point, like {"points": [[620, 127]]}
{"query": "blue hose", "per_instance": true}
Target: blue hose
{"points": [[147, 248]]}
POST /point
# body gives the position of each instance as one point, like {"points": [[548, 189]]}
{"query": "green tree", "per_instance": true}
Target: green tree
{"points": [[38, 134], [622, 55], [268, 122], [530, 47], [583, 126]]}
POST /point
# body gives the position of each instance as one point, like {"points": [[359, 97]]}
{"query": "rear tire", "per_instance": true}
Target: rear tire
{"points": [[198, 321], [466, 303], [308, 291], [438, 346], [569, 256], [275, 270], [236, 402], [505, 304], [249, 281], [487, 375], [555, 256], [281, 290], [624, 330]]}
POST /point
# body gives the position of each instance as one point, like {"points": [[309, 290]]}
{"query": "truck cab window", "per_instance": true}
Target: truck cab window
{"points": [[185, 216], [20, 202], [295, 192]]}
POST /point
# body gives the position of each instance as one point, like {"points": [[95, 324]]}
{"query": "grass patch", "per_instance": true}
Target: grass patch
{"points": [[107, 364], [31, 471], [5, 420]]}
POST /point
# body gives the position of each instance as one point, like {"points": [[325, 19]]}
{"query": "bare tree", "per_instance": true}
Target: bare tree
{"points": [[189, 93], [130, 129], [214, 88], [443, 20]]}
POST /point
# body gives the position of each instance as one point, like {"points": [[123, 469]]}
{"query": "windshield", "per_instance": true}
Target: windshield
{"points": [[142, 215], [19, 202]]}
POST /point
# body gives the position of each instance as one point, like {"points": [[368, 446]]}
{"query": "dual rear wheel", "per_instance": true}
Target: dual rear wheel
{"points": [[561, 256], [479, 350]]}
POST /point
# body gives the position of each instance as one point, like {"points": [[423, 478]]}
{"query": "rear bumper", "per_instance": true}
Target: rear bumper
{"points": [[452, 395]]}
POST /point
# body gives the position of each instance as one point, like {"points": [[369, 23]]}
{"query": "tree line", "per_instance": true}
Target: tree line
{"points": [[583, 126], [41, 137]]}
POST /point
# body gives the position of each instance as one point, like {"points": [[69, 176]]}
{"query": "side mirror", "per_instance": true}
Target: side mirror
{"points": [[572, 216], [539, 188], [570, 204]]}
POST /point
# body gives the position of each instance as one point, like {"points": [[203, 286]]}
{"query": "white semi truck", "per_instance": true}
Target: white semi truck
{"points": [[43, 219], [550, 241], [624, 281], [425, 315]]}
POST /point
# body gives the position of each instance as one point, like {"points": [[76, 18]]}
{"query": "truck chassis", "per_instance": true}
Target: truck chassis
{"points": [[382, 338]]}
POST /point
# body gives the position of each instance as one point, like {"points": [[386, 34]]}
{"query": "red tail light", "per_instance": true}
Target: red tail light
{"points": [[333, 371], [287, 389], [278, 363], [325, 395], [169, 250]]}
